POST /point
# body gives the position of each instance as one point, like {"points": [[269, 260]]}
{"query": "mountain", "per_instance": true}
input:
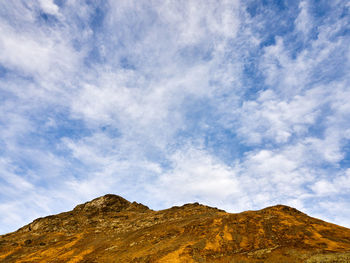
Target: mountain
{"points": [[112, 229]]}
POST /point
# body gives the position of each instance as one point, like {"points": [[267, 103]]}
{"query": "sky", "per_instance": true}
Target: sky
{"points": [[234, 104]]}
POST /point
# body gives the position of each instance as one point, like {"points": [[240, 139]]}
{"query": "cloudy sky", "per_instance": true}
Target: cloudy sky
{"points": [[234, 104]]}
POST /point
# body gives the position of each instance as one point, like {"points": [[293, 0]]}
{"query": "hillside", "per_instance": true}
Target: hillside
{"points": [[112, 229]]}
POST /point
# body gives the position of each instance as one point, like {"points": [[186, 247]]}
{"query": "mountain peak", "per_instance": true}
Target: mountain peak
{"points": [[108, 202], [112, 229]]}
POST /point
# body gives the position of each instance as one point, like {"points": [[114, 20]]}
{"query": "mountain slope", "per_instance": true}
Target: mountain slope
{"points": [[112, 229]]}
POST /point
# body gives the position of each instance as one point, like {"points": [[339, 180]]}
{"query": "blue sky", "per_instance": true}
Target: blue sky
{"points": [[234, 104]]}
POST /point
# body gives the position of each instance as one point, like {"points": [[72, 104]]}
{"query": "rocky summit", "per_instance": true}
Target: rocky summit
{"points": [[112, 229]]}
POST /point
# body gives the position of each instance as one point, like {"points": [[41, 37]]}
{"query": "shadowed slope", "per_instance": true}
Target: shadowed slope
{"points": [[112, 229]]}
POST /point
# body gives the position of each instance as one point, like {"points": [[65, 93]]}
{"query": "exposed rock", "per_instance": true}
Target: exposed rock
{"points": [[105, 203]]}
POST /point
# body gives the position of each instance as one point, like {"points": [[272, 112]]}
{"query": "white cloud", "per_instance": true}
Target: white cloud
{"points": [[278, 175], [16, 182], [195, 175], [49, 7], [43, 54], [194, 21], [261, 179], [273, 118], [323, 187], [338, 184], [303, 22]]}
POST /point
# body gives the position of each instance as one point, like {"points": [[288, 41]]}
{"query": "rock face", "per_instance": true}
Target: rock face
{"points": [[112, 229]]}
